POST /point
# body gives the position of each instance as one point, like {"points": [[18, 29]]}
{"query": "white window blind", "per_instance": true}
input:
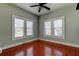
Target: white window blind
{"points": [[58, 27], [19, 27], [29, 28], [47, 26]]}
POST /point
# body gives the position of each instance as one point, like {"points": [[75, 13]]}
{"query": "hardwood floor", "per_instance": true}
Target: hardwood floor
{"points": [[41, 48]]}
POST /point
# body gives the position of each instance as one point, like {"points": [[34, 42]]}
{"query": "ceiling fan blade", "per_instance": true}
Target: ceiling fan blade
{"points": [[42, 3], [46, 7], [77, 8], [39, 9], [34, 5]]}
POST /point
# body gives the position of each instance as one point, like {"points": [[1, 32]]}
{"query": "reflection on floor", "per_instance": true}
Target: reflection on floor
{"points": [[41, 48]]}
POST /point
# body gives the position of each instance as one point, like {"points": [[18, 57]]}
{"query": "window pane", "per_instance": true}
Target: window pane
{"points": [[19, 27], [29, 29], [58, 23], [58, 31], [47, 28], [58, 27]]}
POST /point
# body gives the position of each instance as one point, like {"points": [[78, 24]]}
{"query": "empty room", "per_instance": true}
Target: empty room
{"points": [[39, 29]]}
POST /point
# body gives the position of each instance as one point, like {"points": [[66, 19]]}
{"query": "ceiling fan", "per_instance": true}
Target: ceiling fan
{"points": [[41, 5]]}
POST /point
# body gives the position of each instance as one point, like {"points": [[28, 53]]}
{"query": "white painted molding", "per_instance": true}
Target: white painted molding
{"points": [[6, 47], [63, 43]]}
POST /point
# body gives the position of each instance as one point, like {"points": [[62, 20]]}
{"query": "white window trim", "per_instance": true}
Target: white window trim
{"points": [[25, 32], [32, 29], [63, 27], [13, 31], [44, 28]]}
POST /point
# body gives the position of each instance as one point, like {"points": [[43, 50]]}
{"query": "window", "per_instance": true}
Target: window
{"points": [[58, 27], [47, 27], [19, 28], [29, 28], [55, 28]]}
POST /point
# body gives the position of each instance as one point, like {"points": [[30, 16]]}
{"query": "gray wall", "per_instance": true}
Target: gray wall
{"points": [[6, 12], [72, 23]]}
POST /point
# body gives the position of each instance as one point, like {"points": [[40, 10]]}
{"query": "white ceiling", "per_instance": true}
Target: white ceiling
{"points": [[34, 10]]}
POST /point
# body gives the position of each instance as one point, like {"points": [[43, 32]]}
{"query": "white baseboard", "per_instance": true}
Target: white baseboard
{"points": [[6, 47], [63, 43]]}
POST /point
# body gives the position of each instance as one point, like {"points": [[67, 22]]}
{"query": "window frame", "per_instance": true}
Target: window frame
{"points": [[13, 28], [63, 27]]}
